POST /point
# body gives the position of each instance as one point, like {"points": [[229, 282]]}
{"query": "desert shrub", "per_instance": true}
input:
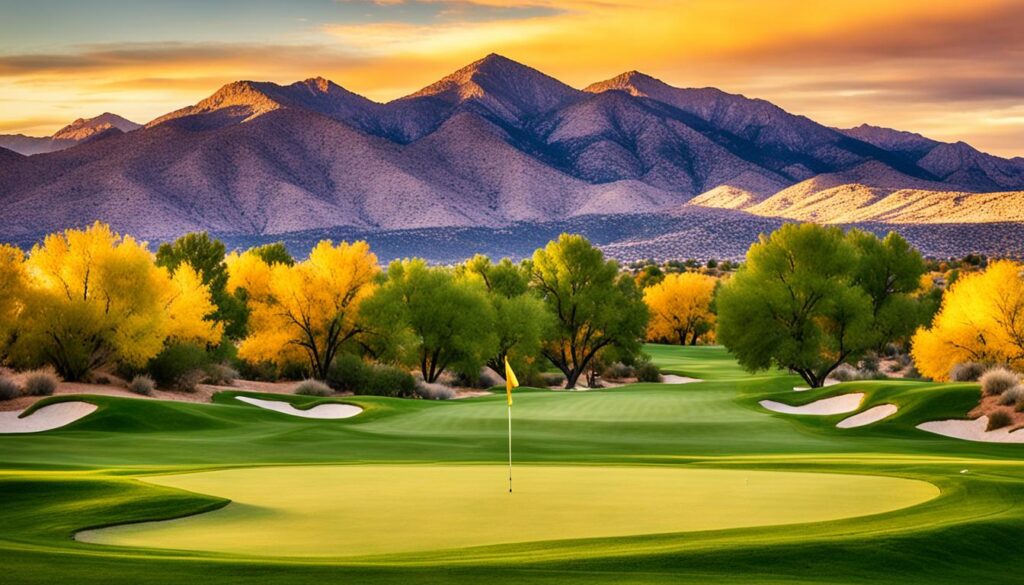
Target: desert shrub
{"points": [[434, 391], [9, 389], [967, 372], [313, 388], [489, 378], [188, 381], [293, 371], [1012, 396], [648, 372], [264, 371], [100, 379], [894, 367], [890, 350], [844, 373], [221, 374], [999, 419], [389, 381], [869, 363], [553, 379], [350, 373], [41, 383], [617, 371], [997, 380], [142, 384], [176, 366]]}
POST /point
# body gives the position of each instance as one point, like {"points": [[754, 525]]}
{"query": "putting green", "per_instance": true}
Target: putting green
{"points": [[374, 509]]}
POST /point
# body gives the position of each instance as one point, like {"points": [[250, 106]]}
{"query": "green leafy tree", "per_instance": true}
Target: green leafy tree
{"points": [[275, 253], [520, 318], [424, 316], [889, 270], [798, 303], [594, 306], [206, 256]]}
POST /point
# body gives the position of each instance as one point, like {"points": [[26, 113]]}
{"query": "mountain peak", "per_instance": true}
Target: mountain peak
{"points": [[83, 128], [632, 82], [508, 88]]}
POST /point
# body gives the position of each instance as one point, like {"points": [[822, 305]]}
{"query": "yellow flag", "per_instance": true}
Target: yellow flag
{"points": [[510, 381]]}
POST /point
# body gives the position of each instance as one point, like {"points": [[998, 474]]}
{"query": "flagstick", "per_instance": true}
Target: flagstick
{"points": [[510, 448]]}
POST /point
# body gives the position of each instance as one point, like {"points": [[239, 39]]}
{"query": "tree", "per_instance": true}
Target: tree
{"points": [[889, 270], [206, 256], [275, 253], [680, 307], [93, 298], [425, 316], [796, 305], [594, 306], [981, 319], [12, 289], [650, 275], [520, 317], [305, 310]]}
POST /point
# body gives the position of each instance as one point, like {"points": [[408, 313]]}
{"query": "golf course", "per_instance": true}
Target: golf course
{"points": [[643, 483]]}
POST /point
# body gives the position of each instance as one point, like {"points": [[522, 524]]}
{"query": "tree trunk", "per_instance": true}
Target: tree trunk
{"points": [[571, 378]]}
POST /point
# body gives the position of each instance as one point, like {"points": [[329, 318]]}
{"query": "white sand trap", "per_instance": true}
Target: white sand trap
{"points": [[972, 430], [826, 406], [323, 411], [869, 416], [674, 379], [49, 417], [828, 382]]}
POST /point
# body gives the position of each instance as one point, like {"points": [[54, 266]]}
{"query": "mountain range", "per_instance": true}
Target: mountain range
{"points": [[493, 145]]}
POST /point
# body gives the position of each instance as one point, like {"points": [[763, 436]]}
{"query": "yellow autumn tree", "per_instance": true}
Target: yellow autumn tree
{"points": [[680, 307], [981, 320], [306, 310], [12, 290], [93, 297]]}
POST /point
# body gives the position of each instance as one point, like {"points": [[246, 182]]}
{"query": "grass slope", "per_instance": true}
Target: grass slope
{"points": [[86, 475]]}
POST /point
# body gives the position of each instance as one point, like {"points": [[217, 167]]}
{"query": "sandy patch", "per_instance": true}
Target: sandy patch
{"points": [[869, 416], [52, 416], [203, 393], [674, 379], [322, 411], [828, 382], [460, 394], [826, 406], [972, 430]]}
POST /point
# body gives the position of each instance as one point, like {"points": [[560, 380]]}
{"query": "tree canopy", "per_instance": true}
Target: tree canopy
{"points": [[797, 303], [981, 319], [92, 297], [306, 310], [424, 316], [680, 307], [594, 306]]}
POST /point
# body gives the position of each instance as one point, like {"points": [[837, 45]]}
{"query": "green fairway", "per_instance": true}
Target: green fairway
{"points": [[363, 510], [648, 483]]}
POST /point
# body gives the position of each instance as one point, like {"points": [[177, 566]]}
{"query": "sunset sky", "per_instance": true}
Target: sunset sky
{"points": [[948, 69]]}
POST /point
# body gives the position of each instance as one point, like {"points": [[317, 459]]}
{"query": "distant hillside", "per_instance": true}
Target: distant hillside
{"points": [[492, 145], [77, 132]]}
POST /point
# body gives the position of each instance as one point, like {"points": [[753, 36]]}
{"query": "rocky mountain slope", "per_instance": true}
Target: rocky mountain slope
{"points": [[75, 133], [492, 145]]}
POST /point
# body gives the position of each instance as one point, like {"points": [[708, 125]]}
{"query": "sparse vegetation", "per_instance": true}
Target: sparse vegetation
{"points": [[648, 372], [9, 389], [41, 383], [142, 385], [999, 419], [220, 374], [996, 381], [313, 388], [967, 372]]}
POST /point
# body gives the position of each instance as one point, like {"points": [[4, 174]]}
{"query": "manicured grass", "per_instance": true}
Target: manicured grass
{"points": [[88, 475], [359, 510]]}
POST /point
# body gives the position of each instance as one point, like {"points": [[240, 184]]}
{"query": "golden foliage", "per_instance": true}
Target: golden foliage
{"points": [[12, 287], [981, 320], [306, 310], [92, 297], [680, 307]]}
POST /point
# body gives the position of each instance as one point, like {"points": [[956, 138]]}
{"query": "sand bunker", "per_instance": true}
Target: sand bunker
{"points": [[674, 379], [972, 430], [869, 416], [322, 411], [826, 406], [52, 416], [828, 382]]}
